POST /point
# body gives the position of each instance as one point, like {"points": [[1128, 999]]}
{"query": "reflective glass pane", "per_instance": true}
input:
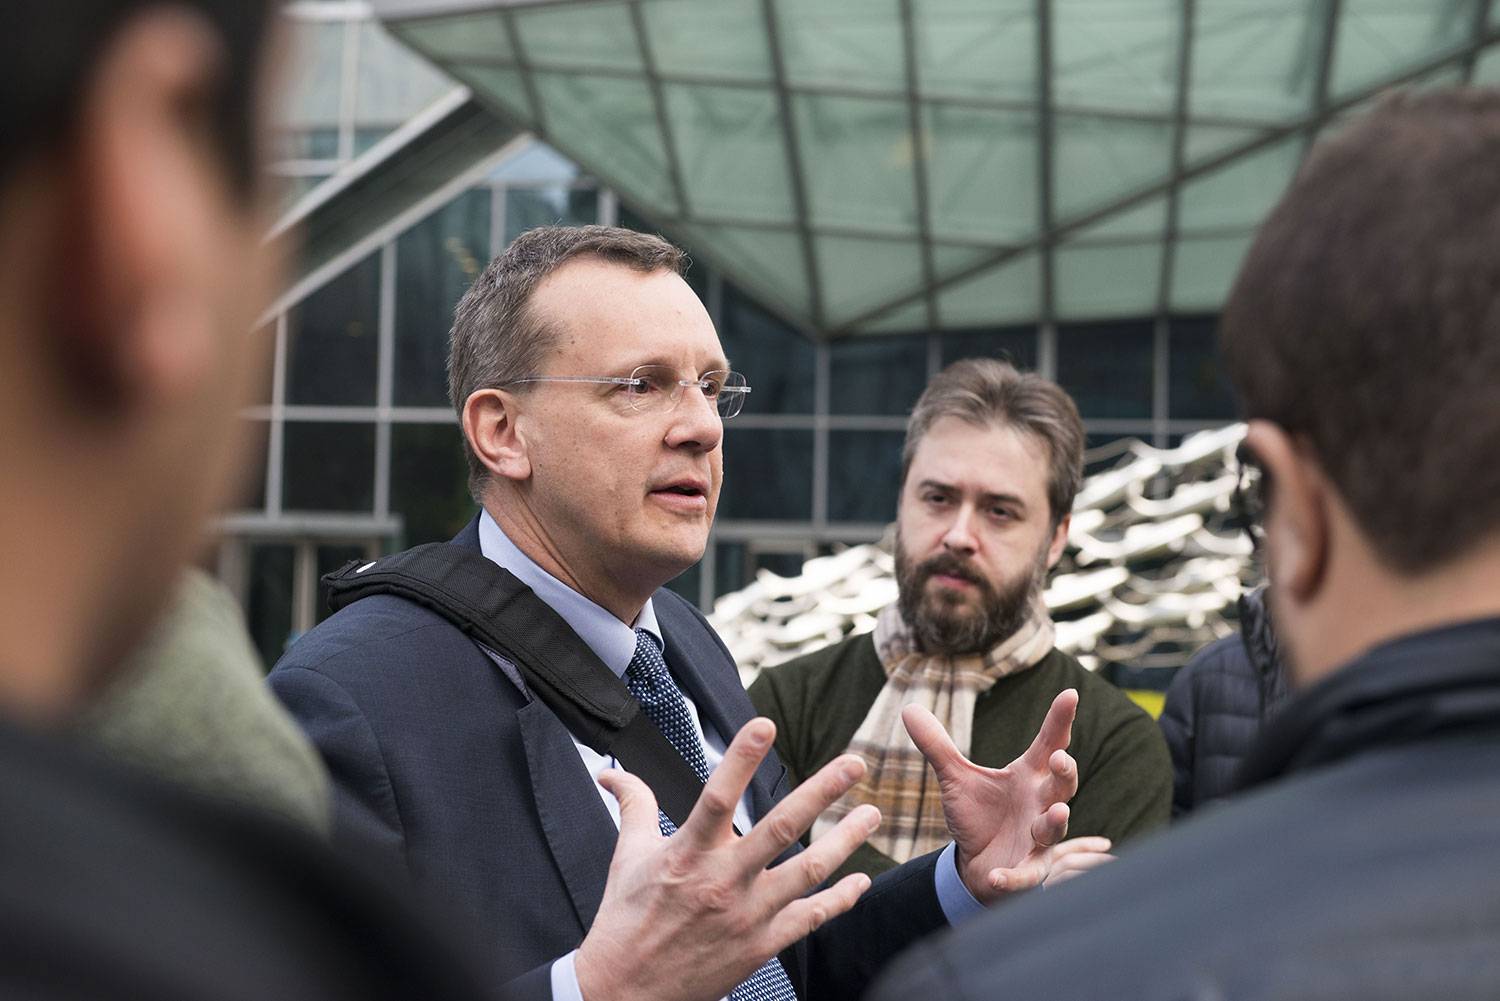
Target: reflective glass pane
{"points": [[731, 570], [459, 36], [864, 475], [251, 495], [1203, 269], [860, 274], [1240, 194], [778, 361], [500, 87], [686, 583], [265, 361], [768, 262], [536, 163], [829, 42], [857, 157], [1096, 160], [328, 467], [268, 600], [981, 173], [903, 319], [730, 151], [332, 340], [767, 474], [1203, 142], [429, 482], [555, 205], [726, 38], [1017, 346], [436, 262], [1106, 368], [393, 84], [1255, 57], [876, 375], [1377, 38], [981, 50], [610, 124], [1198, 387], [307, 116], [1116, 53], [1010, 292], [584, 36], [1109, 280], [1144, 222]]}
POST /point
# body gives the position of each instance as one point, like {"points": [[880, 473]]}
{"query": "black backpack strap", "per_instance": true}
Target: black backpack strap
{"points": [[495, 609]]}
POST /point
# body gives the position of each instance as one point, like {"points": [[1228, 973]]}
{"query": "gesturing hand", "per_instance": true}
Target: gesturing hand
{"points": [[691, 916], [1003, 820]]}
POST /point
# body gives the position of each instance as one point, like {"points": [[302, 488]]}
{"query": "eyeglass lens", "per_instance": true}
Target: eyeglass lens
{"points": [[657, 386]]}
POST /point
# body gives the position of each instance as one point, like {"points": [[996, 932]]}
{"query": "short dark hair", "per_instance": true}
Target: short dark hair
{"points": [[985, 391], [496, 338], [49, 52], [1366, 319]]}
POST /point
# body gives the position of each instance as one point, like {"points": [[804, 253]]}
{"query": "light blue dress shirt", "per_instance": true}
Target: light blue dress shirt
{"points": [[613, 642]]}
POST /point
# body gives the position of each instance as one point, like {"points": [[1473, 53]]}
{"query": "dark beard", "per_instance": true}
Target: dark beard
{"points": [[945, 626]]}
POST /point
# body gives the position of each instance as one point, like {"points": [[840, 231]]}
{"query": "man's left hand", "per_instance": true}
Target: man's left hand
{"points": [[1004, 821]]}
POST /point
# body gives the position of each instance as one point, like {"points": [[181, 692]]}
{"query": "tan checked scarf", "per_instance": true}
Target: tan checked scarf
{"points": [[899, 781]]}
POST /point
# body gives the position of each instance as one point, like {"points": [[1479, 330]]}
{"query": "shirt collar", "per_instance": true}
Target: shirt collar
{"points": [[612, 641]]}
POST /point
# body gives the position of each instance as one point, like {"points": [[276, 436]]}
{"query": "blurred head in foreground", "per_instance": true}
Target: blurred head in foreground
{"points": [[1363, 338], [130, 278]]}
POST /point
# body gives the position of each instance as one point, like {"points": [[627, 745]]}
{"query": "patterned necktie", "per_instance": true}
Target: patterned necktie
{"points": [[653, 687]]}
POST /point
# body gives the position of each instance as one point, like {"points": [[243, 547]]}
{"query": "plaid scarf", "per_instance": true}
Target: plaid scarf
{"points": [[899, 781]]}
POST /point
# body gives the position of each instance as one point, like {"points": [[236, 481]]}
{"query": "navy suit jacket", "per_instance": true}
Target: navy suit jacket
{"points": [[443, 762]]}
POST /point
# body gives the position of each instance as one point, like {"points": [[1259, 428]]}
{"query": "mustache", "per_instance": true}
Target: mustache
{"points": [[951, 566]]}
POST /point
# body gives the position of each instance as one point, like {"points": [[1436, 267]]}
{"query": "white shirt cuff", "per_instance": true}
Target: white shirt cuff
{"points": [[954, 898], [565, 979]]}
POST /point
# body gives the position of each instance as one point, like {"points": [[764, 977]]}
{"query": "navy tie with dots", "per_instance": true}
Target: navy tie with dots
{"points": [[653, 687]]}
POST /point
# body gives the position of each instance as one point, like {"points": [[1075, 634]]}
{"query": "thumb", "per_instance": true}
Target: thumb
{"points": [[638, 811], [932, 740]]}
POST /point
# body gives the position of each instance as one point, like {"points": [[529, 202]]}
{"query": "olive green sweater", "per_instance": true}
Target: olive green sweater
{"points": [[819, 700]]}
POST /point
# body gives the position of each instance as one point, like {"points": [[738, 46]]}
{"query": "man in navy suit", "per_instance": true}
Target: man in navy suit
{"points": [[592, 388]]}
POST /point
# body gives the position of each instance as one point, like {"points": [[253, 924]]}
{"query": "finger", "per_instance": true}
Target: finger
{"points": [[1080, 846], [1062, 782], [811, 867], [1051, 827], [932, 740], [713, 814], [1026, 876], [1057, 728], [1082, 862], [805, 915], [795, 814], [638, 812]]}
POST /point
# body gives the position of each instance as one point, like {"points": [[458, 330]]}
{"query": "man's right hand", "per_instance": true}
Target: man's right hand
{"points": [[690, 917]]}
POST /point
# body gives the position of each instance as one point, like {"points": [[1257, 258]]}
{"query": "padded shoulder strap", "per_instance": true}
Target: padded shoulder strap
{"points": [[490, 605]]}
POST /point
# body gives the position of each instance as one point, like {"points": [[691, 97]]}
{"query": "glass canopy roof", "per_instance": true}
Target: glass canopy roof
{"points": [[880, 165]]}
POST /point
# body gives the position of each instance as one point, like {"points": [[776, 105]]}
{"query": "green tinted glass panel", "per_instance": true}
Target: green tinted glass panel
{"points": [[1098, 159], [1106, 368], [268, 604], [1487, 66], [838, 44], [314, 84], [768, 261], [393, 84], [1240, 194], [976, 50], [328, 466], [858, 275], [1116, 53], [857, 157], [436, 262], [767, 474], [500, 88], [1203, 270], [332, 340], [981, 172], [429, 482], [1094, 282], [948, 258], [1203, 142], [1145, 221], [864, 475], [1255, 58], [726, 38], [460, 36], [877, 375], [581, 36], [1378, 39], [1198, 386], [778, 361], [1006, 294], [903, 319], [610, 125], [730, 151]]}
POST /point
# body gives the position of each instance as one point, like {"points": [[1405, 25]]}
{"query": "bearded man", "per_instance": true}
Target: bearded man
{"points": [[992, 460]]}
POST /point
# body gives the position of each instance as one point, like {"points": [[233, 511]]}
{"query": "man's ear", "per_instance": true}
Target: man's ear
{"points": [[138, 322], [1298, 524], [1059, 540], [489, 421]]}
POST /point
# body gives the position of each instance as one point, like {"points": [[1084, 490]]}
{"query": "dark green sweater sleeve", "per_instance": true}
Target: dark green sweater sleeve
{"points": [[1126, 789]]}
